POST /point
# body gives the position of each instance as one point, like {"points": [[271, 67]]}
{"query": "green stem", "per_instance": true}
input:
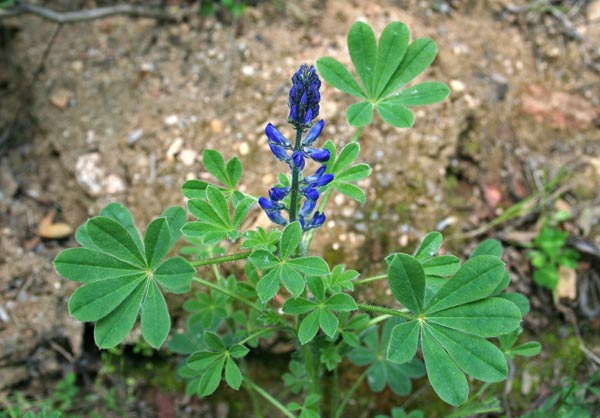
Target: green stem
{"points": [[268, 397], [295, 181], [254, 402], [348, 396], [256, 334], [334, 395], [311, 369], [384, 310], [222, 259], [369, 279], [357, 134], [309, 235], [377, 320], [227, 292]]}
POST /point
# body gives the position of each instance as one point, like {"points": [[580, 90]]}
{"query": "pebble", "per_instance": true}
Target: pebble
{"points": [[62, 98], [171, 120], [174, 148], [8, 184], [188, 156], [457, 86], [92, 177], [244, 148], [248, 70], [133, 137], [216, 126]]}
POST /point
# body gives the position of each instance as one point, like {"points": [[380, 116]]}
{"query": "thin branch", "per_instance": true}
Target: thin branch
{"points": [[87, 14]]}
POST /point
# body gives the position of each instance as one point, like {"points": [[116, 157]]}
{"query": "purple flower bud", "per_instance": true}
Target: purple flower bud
{"points": [[308, 116], [316, 176], [323, 180], [311, 193], [320, 155], [275, 216], [317, 220], [276, 137], [298, 158], [279, 152], [278, 193], [307, 207], [314, 133], [268, 205]]}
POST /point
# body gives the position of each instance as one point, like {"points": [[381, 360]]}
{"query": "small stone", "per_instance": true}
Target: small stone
{"points": [[457, 86], [216, 126], [113, 184], [171, 120], [247, 70], [133, 137], [8, 184], [244, 148], [187, 156], [77, 66], [147, 67], [61, 98], [174, 148], [92, 177]]}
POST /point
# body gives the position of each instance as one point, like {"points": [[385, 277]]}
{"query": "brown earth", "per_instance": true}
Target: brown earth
{"points": [[124, 108]]}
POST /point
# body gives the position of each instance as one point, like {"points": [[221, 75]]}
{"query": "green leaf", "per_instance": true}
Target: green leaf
{"points": [[85, 265], [446, 378], [363, 53], [486, 318], [238, 351], [209, 382], [518, 299], [241, 210], [290, 239], [298, 306], [215, 165], [234, 171], [328, 322], [119, 213], [317, 287], [339, 77], [426, 93], [529, 349], [547, 276], [268, 285], [311, 265], [194, 189], [393, 44], [233, 375], [475, 280], [403, 342], [157, 240], [346, 157], [156, 321], [362, 356], [395, 114], [218, 202], [407, 281], [359, 114], [352, 191], [476, 356], [263, 259], [200, 360], [419, 55], [113, 328], [443, 266], [291, 279], [83, 238], [112, 238], [376, 376], [175, 275], [97, 299], [176, 218], [354, 173], [309, 327], [488, 247], [214, 342], [429, 247], [342, 302]]}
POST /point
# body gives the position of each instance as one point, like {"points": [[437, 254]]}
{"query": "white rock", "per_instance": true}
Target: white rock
{"points": [[174, 148], [171, 120], [188, 156]]}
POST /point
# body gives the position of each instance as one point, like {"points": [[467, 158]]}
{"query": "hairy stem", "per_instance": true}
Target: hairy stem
{"points": [[227, 293], [369, 279], [253, 386], [384, 310], [222, 259], [348, 396], [295, 189]]}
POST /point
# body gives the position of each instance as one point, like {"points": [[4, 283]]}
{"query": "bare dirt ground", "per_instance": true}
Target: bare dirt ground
{"points": [[124, 108]]}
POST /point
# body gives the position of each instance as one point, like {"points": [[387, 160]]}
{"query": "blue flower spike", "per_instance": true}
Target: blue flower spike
{"points": [[299, 199]]}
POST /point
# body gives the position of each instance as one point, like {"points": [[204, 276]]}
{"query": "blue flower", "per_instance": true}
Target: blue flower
{"points": [[304, 97], [277, 194]]}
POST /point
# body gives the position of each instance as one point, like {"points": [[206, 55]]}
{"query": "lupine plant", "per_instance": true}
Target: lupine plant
{"points": [[447, 320]]}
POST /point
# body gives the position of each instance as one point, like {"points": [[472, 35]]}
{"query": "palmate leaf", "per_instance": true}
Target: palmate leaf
{"points": [[455, 316], [123, 275], [345, 173], [384, 70]]}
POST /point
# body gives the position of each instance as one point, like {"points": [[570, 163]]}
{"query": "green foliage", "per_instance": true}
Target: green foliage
{"points": [[548, 253], [384, 69], [571, 399], [123, 275], [234, 7], [345, 172]]}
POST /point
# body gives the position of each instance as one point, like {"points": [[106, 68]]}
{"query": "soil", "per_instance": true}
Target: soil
{"points": [[123, 109]]}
